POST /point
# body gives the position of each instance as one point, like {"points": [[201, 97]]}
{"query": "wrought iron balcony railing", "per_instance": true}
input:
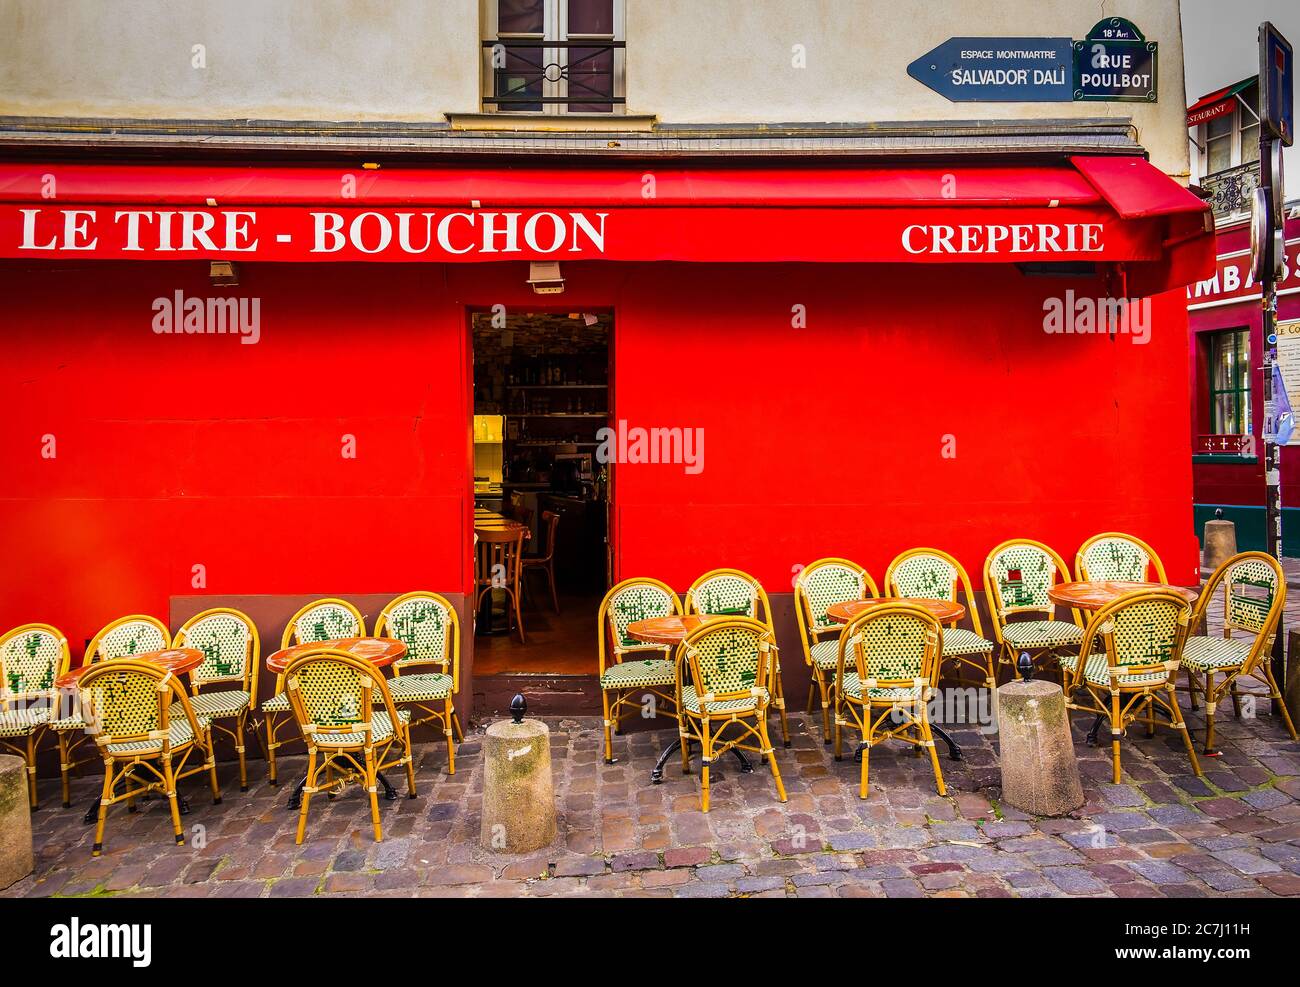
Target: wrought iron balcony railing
{"points": [[521, 68], [1231, 190]]}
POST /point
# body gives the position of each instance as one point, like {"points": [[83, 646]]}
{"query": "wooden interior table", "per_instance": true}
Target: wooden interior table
{"points": [[673, 631], [490, 521], [378, 651], [943, 610], [1095, 594]]}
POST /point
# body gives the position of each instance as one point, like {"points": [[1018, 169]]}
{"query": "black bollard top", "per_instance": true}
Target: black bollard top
{"points": [[1218, 514], [518, 707], [1026, 666]]}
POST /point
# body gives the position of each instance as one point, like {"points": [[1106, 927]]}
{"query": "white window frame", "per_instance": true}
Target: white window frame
{"points": [[1241, 114], [555, 27]]}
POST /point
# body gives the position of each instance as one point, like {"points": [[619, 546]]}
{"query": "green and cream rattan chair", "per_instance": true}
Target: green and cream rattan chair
{"points": [[886, 670], [427, 624], [1254, 595], [1017, 576], [321, 620], [722, 684], [231, 656], [119, 638], [147, 732], [332, 695], [819, 585], [629, 668], [1134, 644], [732, 593], [1113, 555], [32, 657], [935, 575]]}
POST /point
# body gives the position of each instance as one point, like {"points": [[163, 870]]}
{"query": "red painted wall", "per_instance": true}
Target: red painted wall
{"points": [[176, 451]]}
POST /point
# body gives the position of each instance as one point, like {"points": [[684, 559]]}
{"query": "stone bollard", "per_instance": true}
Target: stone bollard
{"points": [[518, 795], [1040, 774], [16, 860], [1220, 543]]}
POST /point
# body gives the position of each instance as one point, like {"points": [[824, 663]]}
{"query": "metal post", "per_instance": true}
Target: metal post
{"points": [[1272, 451]]}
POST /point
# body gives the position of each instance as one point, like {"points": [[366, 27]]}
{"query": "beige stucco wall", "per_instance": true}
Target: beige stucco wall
{"points": [[688, 61]]}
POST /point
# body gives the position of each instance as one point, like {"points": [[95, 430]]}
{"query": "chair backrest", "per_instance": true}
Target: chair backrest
{"points": [[32, 657], [892, 646], [427, 624], [1017, 575], [550, 524], [1254, 596], [932, 574], [327, 619], [640, 598], [125, 636], [331, 693], [231, 648], [728, 659], [823, 583], [127, 701], [730, 593], [1142, 635], [497, 554], [1115, 555]]}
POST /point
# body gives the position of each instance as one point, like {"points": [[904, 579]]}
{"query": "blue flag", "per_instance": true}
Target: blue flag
{"points": [[1285, 419]]}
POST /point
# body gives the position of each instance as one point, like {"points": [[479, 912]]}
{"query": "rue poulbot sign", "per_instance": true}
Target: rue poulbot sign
{"points": [[1115, 62]]}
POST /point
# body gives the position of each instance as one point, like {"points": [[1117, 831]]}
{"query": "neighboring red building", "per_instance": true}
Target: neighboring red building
{"points": [[864, 348]]}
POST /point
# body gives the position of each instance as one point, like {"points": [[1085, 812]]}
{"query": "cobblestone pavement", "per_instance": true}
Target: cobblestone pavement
{"points": [[1163, 832]]}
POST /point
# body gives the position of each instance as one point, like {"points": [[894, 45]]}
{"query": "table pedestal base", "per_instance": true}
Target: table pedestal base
{"points": [[657, 775]]}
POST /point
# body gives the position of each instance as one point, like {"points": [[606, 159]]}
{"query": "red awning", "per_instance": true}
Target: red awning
{"points": [[1116, 210], [1215, 104]]}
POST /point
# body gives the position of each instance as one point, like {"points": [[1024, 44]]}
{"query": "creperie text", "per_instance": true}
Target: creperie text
{"points": [[1013, 238]]}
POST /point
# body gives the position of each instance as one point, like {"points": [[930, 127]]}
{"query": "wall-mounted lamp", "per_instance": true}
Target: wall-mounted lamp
{"points": [[224, 274], [545, 277]]}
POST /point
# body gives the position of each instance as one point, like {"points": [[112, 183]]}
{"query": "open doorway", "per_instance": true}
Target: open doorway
{"points": [[541, 396]]}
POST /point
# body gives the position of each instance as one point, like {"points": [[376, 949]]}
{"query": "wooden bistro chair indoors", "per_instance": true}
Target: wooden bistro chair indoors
{"points": [[32, 657], [723, 688], [497, 565], [333, 697], [427, 678], [1133, 645], [131, 635], [1254, 596], [628, 667], [1017, 576], [730, 592], [148, 734], [1113, 555], [545, 562], [887, 666], [817, 586], [231, 656], [321, 620], [935, 575]]}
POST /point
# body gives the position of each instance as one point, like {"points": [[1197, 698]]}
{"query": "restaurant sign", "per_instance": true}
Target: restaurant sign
{"points": [[1233, 282]]}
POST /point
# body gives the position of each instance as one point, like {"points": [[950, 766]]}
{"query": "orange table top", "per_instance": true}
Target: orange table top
{"points": [[379, 651], [943, 610], [1095, 594], [669, 630], [178, 661]]}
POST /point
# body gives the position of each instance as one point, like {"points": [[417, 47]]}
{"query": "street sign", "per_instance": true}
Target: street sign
{"points": [[1276, 84], [997, 70], [1116, 63]]}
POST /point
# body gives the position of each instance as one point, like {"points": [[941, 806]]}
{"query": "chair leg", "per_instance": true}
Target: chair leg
{"points": [[31, 769], [241, 731], [838, 751], [1275, 694], [1193, 685], [64, 768], [271, 745], [307, 789], [212, 770], [371, 786], [827, 712], [1115, 732], [812, 687], [609, 728], [1176, 715], [771, 757], [105, 795], [706, 756], [866, 749], [1211, 703], [451, 742], [779, 694], [519, 614], [928, 736], [410, 764], [550, 578], [169, 781]]}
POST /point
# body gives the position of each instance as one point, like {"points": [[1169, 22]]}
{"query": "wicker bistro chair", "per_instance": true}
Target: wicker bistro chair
{"points": [[1017, 576], [1134, 645], [32, 657], [886, 669], [819, 585], [321, 620], [730, 592], [498, 563], [118, 638], [147, 732], [545, 562], [232, 653], [936, 575], [628, 667], [427, 624], [723, 673], [1114, 555], [332, 695], [1254, 596]]}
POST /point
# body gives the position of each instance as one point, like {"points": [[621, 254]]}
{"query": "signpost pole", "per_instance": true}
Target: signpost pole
{"points": [[1272, 451]]}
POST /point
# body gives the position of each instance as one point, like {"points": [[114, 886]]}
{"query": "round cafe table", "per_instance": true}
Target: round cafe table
{"points": [[1096, 593], [673, 631], [378, 651], [943, 611]]}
